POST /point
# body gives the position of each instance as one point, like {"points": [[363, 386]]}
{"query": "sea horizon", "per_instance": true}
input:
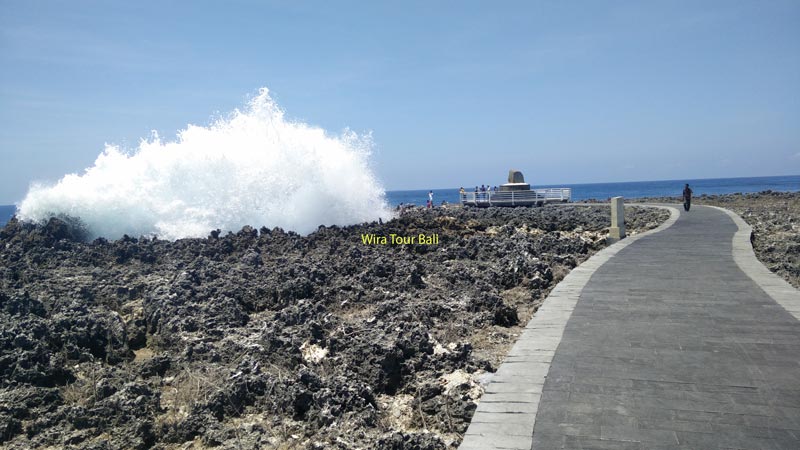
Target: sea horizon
{"points": [[626, 189], [591, 191]]}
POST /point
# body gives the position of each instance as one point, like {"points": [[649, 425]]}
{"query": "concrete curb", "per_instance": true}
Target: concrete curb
{"points": [[507, 411], [776, 287]]}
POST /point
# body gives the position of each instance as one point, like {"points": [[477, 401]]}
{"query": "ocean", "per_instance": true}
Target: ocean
{"points": [[636, 189], [6, 212], [599, 191]]}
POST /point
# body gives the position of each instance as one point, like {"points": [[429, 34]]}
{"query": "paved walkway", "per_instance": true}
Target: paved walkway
{"points": [[670, 346]]}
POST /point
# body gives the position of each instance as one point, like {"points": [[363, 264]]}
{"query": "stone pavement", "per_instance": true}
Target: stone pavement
{"points": [[660, 342]]}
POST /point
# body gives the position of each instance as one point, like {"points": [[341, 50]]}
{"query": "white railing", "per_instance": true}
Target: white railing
{"points": [[516, 198]]}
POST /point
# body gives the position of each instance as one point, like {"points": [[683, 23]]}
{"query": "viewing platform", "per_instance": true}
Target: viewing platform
{"points": [[531, 197], [515, 193]]}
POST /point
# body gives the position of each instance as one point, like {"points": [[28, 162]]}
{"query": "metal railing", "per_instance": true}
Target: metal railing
{"points": [[516, 198]]}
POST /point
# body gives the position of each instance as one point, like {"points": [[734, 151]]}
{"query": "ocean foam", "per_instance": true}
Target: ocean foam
{"points": [[253, 167]]}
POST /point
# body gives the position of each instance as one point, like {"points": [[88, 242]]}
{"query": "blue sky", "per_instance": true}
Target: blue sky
{"points": [[455, 93]]}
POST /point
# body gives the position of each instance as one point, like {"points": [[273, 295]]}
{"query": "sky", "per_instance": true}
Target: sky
{"points": [[454, 93]]}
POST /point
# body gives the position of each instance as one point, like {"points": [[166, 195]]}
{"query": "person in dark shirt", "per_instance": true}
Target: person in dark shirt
{"points": [[687, 197]]}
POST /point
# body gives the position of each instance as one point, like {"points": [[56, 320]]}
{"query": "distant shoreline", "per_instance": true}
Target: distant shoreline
{"points": [[633, 189], [593, 191]]}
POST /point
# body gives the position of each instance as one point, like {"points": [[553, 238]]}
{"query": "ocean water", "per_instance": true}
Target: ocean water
{"points": [[599, 191], [603, 191], [6, 213]]}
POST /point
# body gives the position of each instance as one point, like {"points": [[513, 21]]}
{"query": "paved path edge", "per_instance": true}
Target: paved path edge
{"points": [[776, 287], [506, 414]]}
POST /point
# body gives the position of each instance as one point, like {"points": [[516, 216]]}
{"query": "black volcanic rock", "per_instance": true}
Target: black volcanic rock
{"points": [[260, 339]]}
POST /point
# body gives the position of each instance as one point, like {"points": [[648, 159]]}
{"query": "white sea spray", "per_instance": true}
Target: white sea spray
{"points": [[253, 167]]}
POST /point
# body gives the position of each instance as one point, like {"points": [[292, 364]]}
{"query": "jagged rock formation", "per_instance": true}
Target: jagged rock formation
{"points": [[268, 339]]}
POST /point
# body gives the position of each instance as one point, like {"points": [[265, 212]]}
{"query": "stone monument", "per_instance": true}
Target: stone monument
{"points": [[617, 230], [516, 182], [515, 176]]}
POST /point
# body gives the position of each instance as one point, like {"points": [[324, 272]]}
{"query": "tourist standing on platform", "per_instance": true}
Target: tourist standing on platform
{"points": [[687, 197]]}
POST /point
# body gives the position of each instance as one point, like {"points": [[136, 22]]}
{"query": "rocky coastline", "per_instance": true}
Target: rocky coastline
{"points": [[268, 339]]}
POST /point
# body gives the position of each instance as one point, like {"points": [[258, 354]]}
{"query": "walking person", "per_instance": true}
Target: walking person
{"points": [[687, 197]]}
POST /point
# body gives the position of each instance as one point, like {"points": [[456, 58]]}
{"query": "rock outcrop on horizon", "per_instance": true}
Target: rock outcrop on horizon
{"points": [[269, 339]]}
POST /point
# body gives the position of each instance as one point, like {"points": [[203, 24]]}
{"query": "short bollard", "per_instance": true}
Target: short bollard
{"points": [[617, 230]]}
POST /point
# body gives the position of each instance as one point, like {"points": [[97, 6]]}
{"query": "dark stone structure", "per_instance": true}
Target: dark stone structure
{"points": [[516, 182]]}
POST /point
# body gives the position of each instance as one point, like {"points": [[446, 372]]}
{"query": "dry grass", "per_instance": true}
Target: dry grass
{"points": [[191, 387], [82, 391]]}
